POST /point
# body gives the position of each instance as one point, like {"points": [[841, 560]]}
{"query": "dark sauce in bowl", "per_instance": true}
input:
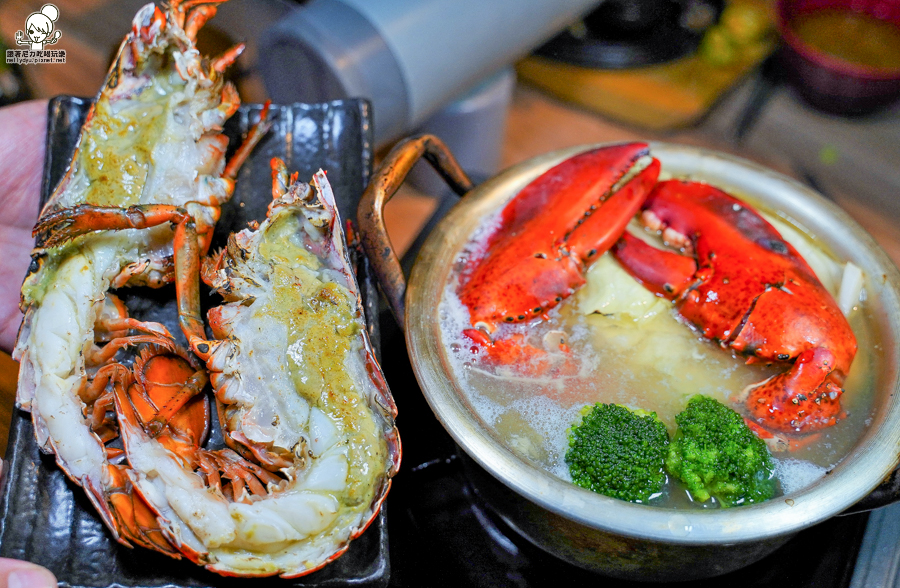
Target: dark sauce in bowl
{"points": [[851, 36], [842, 56]]}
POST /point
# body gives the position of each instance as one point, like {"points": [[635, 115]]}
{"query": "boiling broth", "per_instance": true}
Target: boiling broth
{"points": [[642, 357]]}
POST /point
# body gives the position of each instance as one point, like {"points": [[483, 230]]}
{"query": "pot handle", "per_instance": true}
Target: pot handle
{"points": [[384, 184]]}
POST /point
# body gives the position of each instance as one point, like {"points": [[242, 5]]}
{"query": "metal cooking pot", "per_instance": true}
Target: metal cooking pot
{"points": [[614, 537]]}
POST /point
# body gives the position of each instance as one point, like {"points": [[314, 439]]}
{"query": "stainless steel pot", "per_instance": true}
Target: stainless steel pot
{"points": [[596, 532]]}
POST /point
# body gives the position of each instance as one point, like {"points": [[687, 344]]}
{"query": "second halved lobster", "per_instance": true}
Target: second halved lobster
{"points": [[303, 405]]}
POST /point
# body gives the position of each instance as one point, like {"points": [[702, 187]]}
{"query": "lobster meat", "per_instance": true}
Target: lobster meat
{"points": [[303, 405], [741, 284], [153, 142], [304, 409], [547, 237]]}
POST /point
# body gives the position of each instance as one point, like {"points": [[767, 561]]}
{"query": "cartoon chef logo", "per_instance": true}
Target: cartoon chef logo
{"points": [[38, 29]]}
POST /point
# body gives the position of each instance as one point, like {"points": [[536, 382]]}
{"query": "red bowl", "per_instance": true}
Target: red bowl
{"points": [[830, 83]]}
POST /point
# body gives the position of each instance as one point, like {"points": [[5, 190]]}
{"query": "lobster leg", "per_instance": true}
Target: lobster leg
{"points": [[187, 282], [196, 19], [221, 63], [243, 474], [113, 309], [108, 351], [187, 286], [269, 459], [135, 520], [254, 136], [61, 226], [90, 392], [126, 323]]}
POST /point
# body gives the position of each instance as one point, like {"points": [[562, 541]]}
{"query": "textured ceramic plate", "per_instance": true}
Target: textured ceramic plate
{"points": [[45, 518]]}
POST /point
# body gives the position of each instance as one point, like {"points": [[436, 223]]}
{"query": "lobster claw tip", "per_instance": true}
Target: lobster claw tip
{"points": [[802, 400]]}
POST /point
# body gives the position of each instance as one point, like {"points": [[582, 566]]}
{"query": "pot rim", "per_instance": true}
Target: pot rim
{"points": [[870, 461]]}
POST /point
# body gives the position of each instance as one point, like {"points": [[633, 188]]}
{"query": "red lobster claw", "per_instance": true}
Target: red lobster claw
{"points": [[747, 288], [551, 231]]}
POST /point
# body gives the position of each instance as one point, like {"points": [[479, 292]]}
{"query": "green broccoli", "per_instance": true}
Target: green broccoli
{"points": [[716, 454], [618, 452]]}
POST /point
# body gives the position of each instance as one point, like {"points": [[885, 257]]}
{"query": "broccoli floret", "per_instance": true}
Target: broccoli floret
{"points": [[716, 454], [618, 452]]}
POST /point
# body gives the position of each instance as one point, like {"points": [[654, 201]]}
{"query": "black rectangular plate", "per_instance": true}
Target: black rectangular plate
{"points": [[44, 517]]}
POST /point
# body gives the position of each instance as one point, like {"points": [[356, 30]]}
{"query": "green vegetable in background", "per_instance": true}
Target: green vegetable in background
{"points": [[745, 22], [715, 454], [740, 34], [618, 452], [717, 47]]}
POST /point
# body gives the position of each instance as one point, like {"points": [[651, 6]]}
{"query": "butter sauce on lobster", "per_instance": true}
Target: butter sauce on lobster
{"points": [[738, 282], [303, 406], [153, 142], [302, 402]]}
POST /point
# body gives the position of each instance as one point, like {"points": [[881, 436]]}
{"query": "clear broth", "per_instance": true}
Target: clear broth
{"points": [[656, 366]]}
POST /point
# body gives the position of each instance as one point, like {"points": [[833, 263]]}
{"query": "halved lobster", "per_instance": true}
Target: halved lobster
{"points": [[151, 151], [741, 284], [547, 237], [303, 406]]}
